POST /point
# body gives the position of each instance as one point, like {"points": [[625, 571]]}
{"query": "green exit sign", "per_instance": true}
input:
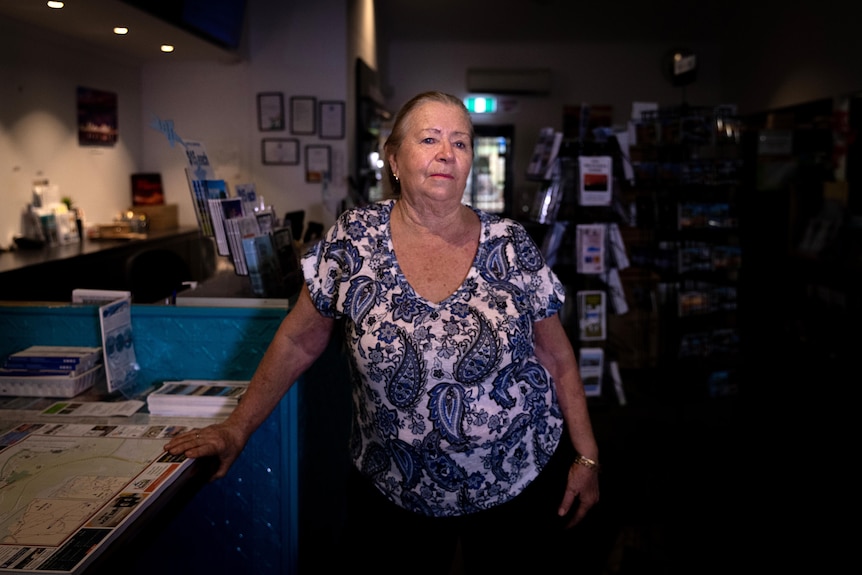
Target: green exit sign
{"points": [[481, 104]]}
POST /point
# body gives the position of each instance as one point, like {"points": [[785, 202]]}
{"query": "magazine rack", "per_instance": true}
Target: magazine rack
{"points": [[687, 170], [578, 211]]}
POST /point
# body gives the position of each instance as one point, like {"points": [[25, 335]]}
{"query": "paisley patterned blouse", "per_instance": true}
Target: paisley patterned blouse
{"points": [[453, 413]]}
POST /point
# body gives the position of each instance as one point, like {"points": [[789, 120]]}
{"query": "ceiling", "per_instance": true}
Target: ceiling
{"points": [[701, 21], [92, 22], [666, 21]]}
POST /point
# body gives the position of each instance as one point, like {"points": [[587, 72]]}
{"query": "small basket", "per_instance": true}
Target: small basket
{"points": [[51, 385]]}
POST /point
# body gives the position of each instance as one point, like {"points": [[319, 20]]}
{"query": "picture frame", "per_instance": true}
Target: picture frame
{"points": [[331, 115], [280, 151], [317, 162], [97, 117], [270, 111], [303, 118]]}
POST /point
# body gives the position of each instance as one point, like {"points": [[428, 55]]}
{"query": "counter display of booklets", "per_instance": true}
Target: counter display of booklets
{"points": [[196, 398], [51, 371]]}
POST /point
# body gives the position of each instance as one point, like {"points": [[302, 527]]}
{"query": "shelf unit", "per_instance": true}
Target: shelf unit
{"points": [[687, 166], [556, 216]]}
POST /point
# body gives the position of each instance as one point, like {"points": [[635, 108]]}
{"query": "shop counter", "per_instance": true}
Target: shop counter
{"points": [[51, 273], [246, 522]]}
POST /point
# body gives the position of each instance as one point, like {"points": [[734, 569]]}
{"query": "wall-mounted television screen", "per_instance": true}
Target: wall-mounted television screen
{"points": [[218, 21]]}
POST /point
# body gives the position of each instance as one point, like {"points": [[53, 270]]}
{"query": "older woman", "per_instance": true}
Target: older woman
{"points": [[467, 396]]}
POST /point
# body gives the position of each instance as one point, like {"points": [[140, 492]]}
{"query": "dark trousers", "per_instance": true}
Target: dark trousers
{"points": [[523, 535]]}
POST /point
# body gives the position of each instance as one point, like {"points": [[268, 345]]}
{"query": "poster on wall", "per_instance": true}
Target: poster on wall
{"points": [[97, 117]]}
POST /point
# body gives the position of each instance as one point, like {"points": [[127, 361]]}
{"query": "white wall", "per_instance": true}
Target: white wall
{"points": [[293, 47], [614, 74], [39, 75], [296, 48]]}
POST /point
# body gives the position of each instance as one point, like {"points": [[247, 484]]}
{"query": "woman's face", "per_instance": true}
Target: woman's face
{"points": [[436, 154]]}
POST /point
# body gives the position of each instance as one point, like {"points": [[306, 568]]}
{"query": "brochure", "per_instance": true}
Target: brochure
{"points": [[121, 364], [596, 181], [591, 364], [590, 245], [591, 315]]}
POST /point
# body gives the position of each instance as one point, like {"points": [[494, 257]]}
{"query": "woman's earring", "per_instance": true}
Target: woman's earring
{"points": [[396, 177]]}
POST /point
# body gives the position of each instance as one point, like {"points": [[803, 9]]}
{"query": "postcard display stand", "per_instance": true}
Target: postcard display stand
{"points": [[687, 173], [244, 228], [578, 210]]}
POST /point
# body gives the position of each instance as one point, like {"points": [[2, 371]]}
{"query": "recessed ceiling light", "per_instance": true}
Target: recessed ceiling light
{"points": [[167, 48], [55, 4], [121, 30]]}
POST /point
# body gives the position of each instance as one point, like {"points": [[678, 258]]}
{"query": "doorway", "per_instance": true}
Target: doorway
{"points": [[489, 187]]}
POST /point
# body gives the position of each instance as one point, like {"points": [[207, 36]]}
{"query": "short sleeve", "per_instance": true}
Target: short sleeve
{"points": [[322, 274], [336, 267], [546, 294]]}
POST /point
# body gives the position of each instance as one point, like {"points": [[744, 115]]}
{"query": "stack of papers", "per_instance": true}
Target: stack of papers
{"points": [[42, 360], [196, 398]]}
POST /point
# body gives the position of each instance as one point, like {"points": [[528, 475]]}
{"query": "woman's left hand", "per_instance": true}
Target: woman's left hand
{"points": [[583, 486], [220, 440]]}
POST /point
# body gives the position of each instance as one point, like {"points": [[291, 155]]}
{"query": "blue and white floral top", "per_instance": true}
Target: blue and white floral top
{"points": [[453, 413]]}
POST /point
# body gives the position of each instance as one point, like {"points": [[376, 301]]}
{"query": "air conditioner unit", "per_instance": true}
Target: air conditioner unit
{"points": [[536, 81]]}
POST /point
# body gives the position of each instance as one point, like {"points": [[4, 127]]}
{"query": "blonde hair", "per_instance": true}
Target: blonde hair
{"points": [[402, 119]]}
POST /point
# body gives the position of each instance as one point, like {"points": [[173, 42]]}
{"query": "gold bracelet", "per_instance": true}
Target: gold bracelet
{"points": [[587, 462]]}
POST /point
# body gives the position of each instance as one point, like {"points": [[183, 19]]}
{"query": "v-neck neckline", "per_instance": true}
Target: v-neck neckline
{"points": [[402, 278]]}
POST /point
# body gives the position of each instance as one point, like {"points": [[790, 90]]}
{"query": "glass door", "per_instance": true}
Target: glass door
{"points": [[489, 186]]}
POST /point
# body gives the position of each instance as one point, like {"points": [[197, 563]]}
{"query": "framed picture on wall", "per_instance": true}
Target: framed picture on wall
{"points": [[280, 151], [302, 115], [147, 189], [331, 120], [317, 162], [270, 111], [97, 117]]}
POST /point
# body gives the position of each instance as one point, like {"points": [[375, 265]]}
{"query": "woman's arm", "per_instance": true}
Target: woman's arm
{"points": [[300, 339], [555, 352]]}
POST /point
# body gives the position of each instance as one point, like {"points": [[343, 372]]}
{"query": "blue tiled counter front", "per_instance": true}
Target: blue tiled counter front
{"points": [[246, 522], [201, 343], [170, 342]]}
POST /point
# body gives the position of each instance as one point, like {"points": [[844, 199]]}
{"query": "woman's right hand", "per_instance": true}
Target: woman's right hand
{"points": [[220, 440]]}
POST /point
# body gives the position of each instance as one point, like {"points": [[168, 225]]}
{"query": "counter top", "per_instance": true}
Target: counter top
{"points": [[227, 289], [151, 267], [88, 512], [21, 258]]}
